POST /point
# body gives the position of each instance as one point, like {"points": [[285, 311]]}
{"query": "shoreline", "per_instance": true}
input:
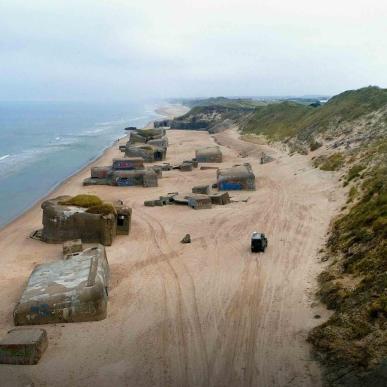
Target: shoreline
{"points": [[163, 111], [60, 183], [214, 283]]}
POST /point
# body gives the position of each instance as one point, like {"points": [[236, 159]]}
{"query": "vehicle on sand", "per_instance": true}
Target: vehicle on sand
{"points": [[258, 242]]}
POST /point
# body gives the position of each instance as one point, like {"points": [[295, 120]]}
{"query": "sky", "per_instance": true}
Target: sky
{"points": [[115, 50]]}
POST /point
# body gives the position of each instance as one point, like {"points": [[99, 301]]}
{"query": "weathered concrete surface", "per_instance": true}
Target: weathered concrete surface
{"points": [[72, 247], [128, 163], [238, 177], [201, 189], [124, 219], [72, 290], [62, 223], [149, 153], [209, 154], [199, 201], [220, 198], [23, 346]]}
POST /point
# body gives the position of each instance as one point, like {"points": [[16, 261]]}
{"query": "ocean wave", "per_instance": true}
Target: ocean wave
{"points": [[25, 159]]}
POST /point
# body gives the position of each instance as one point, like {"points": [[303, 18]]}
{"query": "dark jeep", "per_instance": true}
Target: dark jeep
{"points": [[258, 242]]}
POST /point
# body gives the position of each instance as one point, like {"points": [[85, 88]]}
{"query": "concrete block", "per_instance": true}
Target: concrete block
{"points": [[72, 247], [23, 346]]}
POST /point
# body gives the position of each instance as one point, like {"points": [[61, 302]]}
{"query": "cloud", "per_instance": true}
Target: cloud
{"points": [[120, 49]]}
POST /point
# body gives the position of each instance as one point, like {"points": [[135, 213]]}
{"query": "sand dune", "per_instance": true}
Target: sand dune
{"points": [[205, 314]]}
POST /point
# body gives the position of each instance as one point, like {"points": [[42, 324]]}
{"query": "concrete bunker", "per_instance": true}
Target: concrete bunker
{"points": [[150, 153], [72, 290], [210, 154], [65, 219], [238, 177], [145, 178], [125, 172], [199, 201], [146, 135]]}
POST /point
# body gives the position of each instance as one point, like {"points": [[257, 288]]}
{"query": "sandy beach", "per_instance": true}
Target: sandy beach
{"points": [[205, 314]]}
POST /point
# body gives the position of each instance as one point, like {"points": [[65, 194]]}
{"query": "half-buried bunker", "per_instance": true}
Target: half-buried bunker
{"points": [[209, 154], [72, 290]]}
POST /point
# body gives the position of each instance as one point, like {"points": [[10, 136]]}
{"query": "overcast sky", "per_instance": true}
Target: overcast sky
{"points": [[118, 50]]}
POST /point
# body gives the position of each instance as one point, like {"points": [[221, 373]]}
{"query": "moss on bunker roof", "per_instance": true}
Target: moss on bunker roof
{"points": [[83, 200]]}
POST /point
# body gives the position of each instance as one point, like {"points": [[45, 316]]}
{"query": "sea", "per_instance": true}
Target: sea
{"points": [[43, 143]]}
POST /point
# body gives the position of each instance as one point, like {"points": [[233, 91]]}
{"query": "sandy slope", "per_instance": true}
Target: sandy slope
{"points": [[205, 314]]}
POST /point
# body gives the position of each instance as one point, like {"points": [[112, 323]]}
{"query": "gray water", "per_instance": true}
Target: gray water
{"points": [[41, 144]]}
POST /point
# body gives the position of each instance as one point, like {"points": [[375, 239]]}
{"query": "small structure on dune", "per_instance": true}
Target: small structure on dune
{"points": [[72, 290], [210, 154], [150, 144], [146, 135], [131, 163], [143, 177], [238, 177], [199, 201], [201, 189], [159, 142], [83, 217], [220, 198], [23, 346], [149, 153], [125, 172]]}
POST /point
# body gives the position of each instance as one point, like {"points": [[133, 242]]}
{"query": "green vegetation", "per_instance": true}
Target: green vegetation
{"points": [[234, 103], [332, 163], [277, 121], [93, 204], [282, 120], [353, 193], [354, 172], [355, 283], [313, 145], [83, 200], [103, 209]]}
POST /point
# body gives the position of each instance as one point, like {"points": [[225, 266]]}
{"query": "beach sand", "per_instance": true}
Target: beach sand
{"points": [[208, 313]]}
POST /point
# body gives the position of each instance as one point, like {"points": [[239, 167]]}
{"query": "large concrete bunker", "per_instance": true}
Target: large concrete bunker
{"points": [[63, 221], [209, 154], [238, 177], [124, 172], [149, 144], [150, 153], [72, 290]]}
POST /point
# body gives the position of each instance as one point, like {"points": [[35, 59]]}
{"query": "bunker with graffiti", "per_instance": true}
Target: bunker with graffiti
{"points": [[238, 177], [72, 290]]}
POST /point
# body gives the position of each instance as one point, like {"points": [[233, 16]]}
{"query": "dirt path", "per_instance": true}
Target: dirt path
{"points": [[205, 314]]}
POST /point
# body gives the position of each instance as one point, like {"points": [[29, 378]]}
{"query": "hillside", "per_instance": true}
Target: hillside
{"points": [[353, 342], [233, 103], [212, 114], [278, 121], [305, 124]]}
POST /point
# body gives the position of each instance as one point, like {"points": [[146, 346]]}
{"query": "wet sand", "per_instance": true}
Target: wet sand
{"points": [[209, 313]]}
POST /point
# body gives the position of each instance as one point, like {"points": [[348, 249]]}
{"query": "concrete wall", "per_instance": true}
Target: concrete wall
{"points": [[63, 223], [72, 290]]}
